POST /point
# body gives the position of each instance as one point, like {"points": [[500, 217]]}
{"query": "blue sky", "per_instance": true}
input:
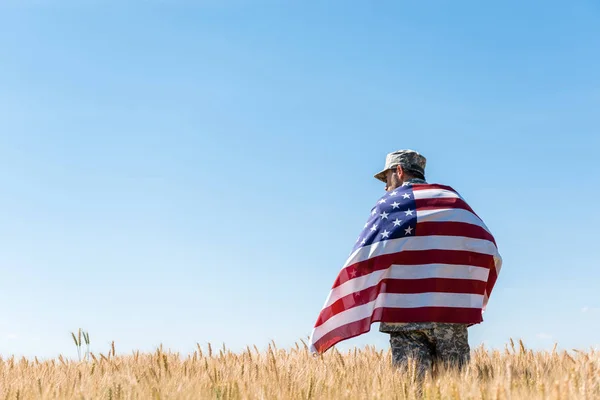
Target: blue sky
{"points": [[198, 172]]}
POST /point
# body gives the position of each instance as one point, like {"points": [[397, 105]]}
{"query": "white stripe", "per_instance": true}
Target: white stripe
{"points": [[435, 194], [449, 271], [416, 243], [393, 300], [450, 215]]}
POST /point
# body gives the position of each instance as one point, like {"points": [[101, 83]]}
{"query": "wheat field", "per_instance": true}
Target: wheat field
{"points": [[514, 373]]}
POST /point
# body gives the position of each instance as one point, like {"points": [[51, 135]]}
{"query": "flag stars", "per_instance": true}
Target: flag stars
{"points": [[394, 193], [385, 234], [408, 230], [374, 227], [406, 196], [363, 241], [384, 215], [382, 201], [397, 222], [409, 212], [395, 205]]}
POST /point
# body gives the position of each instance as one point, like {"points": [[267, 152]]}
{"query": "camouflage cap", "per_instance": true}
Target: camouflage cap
{"points": [[410, 160]]}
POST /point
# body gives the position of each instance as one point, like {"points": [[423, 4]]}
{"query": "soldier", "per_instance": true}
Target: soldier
{"points": [[427, 343]]}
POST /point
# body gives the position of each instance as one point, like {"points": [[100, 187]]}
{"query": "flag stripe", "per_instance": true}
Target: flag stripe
{"points": [[401, 286], [392, 300], [491, 281], [440, 215], [419, 243], [425, 271], [442, 203], [435, 193], [432, 256], [429, 191], [450, 215], [429, 186], [451, 229], [424, 314]]}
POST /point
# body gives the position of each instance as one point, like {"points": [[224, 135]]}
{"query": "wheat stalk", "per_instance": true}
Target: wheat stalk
{"points": [[517, 373]]}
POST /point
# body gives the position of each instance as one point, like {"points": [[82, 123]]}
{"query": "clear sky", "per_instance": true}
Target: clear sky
{"points": [[183, 172]]}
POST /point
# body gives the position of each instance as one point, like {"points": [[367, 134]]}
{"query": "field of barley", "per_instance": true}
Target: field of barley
{"points": [[514, 373]]}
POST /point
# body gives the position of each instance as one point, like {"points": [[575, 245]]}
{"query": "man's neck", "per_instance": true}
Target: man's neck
{"points": [[414, 180]]}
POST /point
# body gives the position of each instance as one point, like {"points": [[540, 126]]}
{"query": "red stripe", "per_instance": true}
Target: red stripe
{"points": [[425, 314], [492, 277], [457, 257], [401, 286], [442, 202], [451, 228], [417, 187], [427, 186]]}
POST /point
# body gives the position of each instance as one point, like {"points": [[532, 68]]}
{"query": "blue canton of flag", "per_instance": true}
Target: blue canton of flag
{"points": [[394, 216]]}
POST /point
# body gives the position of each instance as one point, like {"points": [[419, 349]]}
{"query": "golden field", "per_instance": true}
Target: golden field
{"points": [[514, 373]]}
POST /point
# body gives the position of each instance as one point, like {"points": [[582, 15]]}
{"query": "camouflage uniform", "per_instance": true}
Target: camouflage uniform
{"points": [[446, 345], [427, 343]]}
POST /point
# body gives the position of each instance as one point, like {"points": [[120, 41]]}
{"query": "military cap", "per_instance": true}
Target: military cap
{"points": [[409, 160]]}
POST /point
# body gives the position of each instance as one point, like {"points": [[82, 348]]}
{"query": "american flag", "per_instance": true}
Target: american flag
{"points": [[423, 256]]}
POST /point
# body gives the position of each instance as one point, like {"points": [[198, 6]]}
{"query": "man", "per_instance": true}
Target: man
{"points": [[424, 266], [424, 342]]}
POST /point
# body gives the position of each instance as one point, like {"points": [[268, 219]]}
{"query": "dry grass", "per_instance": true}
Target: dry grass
{"points": [[515, 373]]}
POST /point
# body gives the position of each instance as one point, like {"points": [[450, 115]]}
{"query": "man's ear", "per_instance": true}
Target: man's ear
{"points": [[400, 171]]}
